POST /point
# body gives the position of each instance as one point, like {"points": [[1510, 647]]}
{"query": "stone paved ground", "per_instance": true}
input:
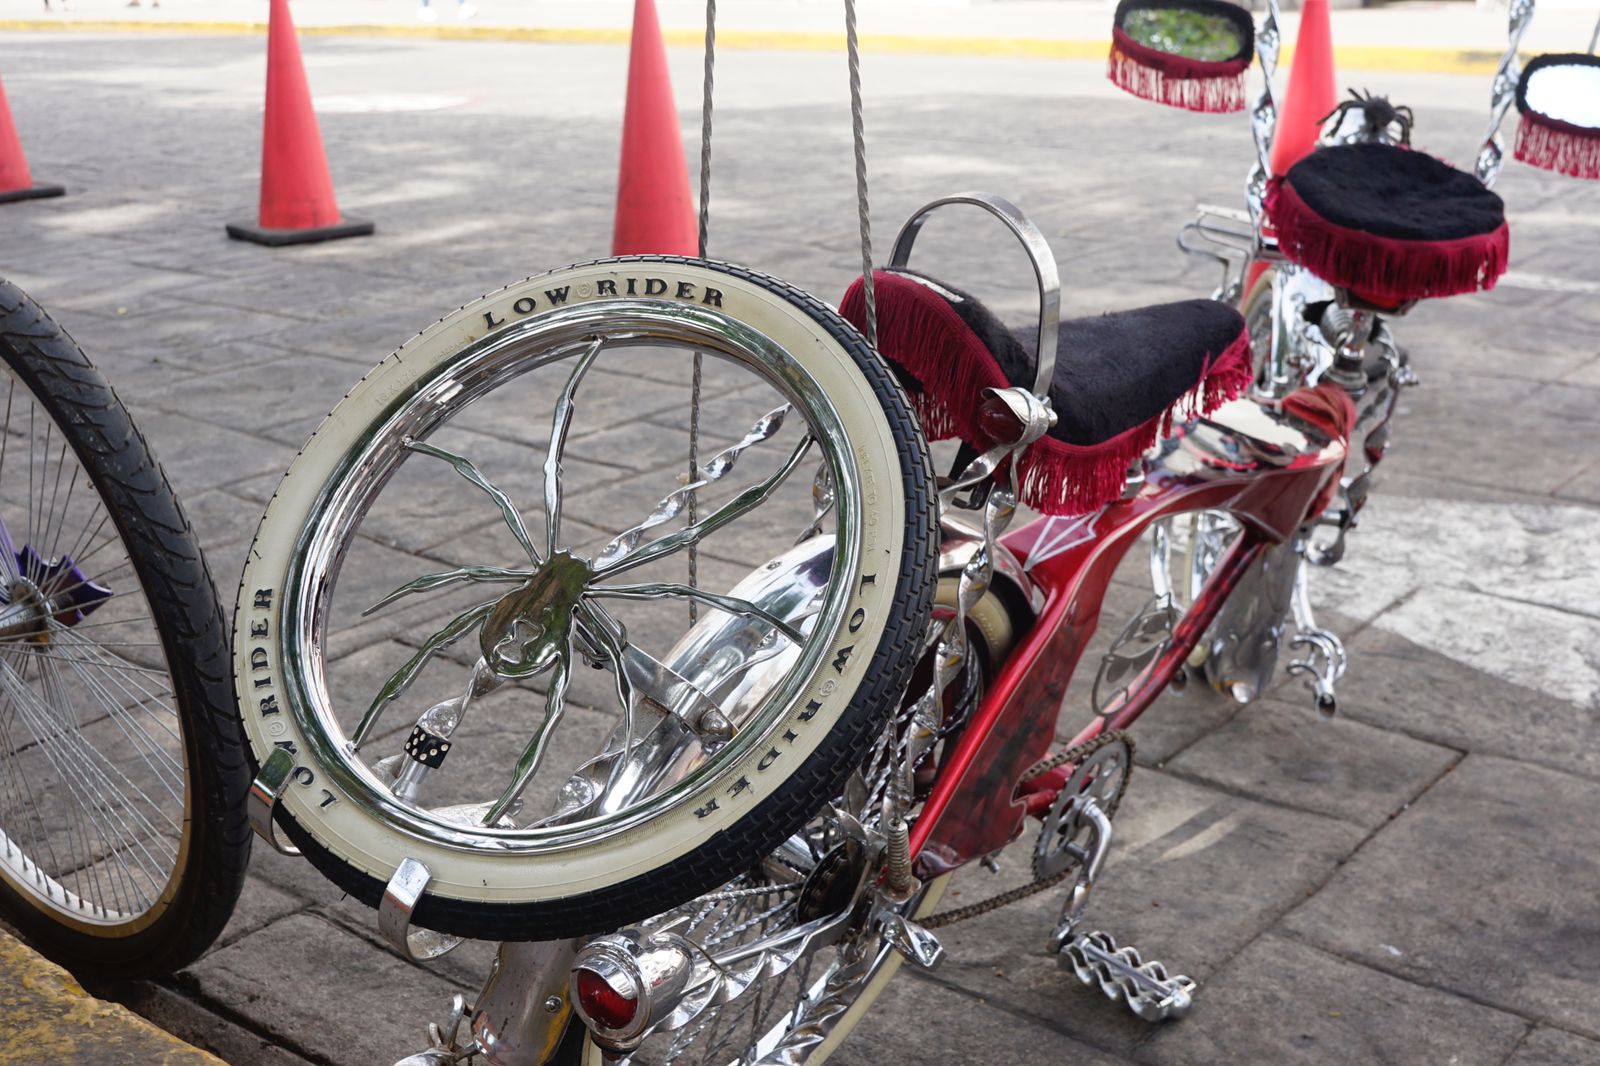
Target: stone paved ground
{"points": [[1411, 883]]}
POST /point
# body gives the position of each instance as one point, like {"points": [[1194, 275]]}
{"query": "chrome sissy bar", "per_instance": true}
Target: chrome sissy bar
{"points": [[1039, 256]]}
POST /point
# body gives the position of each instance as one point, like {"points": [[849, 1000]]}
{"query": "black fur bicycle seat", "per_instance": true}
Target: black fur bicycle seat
{"points": [[1390, 223], [1120, 378]]}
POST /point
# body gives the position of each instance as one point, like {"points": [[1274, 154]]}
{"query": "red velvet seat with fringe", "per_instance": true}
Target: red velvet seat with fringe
{"points": [[1389, 223], [1120, 381]]}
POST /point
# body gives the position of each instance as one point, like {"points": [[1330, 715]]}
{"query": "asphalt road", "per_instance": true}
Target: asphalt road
{"points": [[1410, 883]]}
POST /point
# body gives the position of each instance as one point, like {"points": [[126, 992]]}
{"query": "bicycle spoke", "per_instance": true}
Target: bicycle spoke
{"points": [[87, 783], [456, 628], [469, 470], [429, 582], [674, 502], [600, 628], [730, 604], [560, 423], [739, 506], [555, 702]]}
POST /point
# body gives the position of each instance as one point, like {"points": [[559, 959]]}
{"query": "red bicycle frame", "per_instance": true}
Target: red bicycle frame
{"points": [[1268, 469]]}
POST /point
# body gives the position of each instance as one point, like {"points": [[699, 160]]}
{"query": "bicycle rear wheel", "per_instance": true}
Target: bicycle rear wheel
{"points": [[123, 840], [594, 754]]}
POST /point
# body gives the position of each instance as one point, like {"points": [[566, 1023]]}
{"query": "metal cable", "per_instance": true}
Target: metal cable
{"points": [[707, 85], [858, 133]]}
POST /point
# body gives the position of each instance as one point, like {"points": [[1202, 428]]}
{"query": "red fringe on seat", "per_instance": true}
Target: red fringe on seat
{"points": [[919, 332], [1174, 80], [1559, 146], [1390, 268]]}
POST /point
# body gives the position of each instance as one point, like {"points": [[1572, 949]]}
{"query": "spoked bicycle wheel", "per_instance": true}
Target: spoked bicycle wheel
{"points": [[525, 703], [123, 841]]}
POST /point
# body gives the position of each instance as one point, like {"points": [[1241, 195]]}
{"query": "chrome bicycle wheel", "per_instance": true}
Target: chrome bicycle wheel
{"points": [[122, 834], [533, 712]]}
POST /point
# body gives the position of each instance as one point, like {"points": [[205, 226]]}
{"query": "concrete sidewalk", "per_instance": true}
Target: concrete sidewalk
{"points": [[1427, 35]]}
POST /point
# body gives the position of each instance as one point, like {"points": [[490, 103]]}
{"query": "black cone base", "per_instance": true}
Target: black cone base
{"points": [[36, 192], [345, 227]]}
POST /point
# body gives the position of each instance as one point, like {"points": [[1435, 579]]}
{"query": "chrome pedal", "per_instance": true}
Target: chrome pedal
{"points": [[1122, 975]]}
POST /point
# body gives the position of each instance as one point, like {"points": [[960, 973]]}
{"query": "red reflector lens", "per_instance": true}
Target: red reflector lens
{"points": [[603, 1005], [998, 424]]}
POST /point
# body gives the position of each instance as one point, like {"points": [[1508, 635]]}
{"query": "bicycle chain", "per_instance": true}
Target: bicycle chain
{"points": [[1074, 754]]}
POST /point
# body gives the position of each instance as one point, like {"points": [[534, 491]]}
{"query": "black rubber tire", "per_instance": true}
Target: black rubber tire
{"points": [[183, 601], [813, 784]]}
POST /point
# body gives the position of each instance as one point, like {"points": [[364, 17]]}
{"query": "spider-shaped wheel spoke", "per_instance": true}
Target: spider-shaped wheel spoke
{"points": [[529, 631], [555, 702], [560, 423], [730, 604], [432, 582], [392, 689], [469, 470], [736, 508]]}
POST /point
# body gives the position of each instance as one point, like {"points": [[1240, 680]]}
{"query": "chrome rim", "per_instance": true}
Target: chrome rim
{"points": [[92, 769], [554, 602], [1185, 549]]}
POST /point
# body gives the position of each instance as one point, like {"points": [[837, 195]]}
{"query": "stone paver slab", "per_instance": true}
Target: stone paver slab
{"points": [[1393, 683], [1288, 1004], [1283, 753], [918, 1021], [1497, 912], [1553, 1047], [307, 981]]}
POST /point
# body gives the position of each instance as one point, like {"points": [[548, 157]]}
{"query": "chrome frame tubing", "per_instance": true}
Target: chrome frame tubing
{"points": [[1504, 92]]}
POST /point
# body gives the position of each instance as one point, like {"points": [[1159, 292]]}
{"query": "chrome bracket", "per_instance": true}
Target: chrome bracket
{"points": [[1122, 975], [400, 898], [916, 943], [264, 792], [1084, 810], [443, 1051]]}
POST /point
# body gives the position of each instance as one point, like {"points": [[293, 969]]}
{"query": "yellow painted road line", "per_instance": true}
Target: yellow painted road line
{"points": [[1351, 57]]}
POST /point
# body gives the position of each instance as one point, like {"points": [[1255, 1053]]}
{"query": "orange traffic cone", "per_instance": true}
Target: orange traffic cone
{"points": [[1311, 93], [297, 203], [16, 181], [655, 213]]}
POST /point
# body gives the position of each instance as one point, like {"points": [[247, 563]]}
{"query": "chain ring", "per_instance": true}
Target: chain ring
{"points": [[1102, 775]]}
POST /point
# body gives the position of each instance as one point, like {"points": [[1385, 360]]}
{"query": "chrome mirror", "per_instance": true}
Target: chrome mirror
{"points": [[1186, 53], [1558, 98]]}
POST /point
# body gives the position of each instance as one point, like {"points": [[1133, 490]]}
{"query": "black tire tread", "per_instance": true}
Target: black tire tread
{"points": [[818, 780], [172, 573]]}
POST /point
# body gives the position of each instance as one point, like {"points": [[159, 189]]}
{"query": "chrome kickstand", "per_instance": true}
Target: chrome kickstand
{"points": [[1325, 658]]}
